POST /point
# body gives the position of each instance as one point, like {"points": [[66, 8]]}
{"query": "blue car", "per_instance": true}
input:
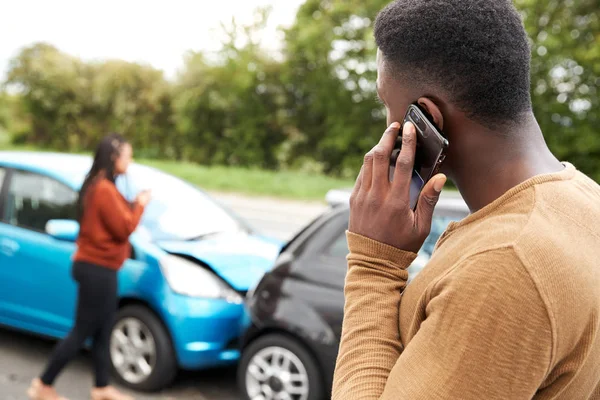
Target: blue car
{"points": [[181, 291]]}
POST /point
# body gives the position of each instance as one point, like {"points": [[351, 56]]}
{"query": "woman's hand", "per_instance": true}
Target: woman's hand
{"points": [[380, 209], [143, 198]]}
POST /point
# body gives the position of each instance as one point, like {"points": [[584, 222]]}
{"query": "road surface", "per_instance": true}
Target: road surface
{"points": [[273, 217], [22, 356]]}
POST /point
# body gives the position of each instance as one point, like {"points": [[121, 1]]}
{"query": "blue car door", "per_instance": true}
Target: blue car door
{"points": [[7, 248], [37, 292]]}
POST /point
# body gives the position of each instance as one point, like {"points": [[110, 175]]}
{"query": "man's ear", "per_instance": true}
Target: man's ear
{"points": [[433, 110]]}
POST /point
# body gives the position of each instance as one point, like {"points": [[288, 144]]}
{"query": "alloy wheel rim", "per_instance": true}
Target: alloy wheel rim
{"points": [[133, 350], [275, 373]]}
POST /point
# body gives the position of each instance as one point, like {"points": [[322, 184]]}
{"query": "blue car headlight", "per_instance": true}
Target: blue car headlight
{"points": [[190, 279]]}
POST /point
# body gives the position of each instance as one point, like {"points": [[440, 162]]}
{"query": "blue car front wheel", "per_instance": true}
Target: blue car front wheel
{"points": [[141, 353]]}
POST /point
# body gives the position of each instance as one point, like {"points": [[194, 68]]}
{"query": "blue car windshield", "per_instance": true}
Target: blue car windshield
{"points": [[178, 210]]}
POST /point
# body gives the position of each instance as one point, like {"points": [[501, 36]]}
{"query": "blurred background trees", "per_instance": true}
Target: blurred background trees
{"points": [[312, 107], [565, 36]]}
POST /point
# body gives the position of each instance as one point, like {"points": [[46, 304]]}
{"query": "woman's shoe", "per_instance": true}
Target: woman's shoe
{"points": [[39, 391], [109, 393]]}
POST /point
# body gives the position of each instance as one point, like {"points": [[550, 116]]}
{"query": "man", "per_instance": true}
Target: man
{"points": [[509, 305]]}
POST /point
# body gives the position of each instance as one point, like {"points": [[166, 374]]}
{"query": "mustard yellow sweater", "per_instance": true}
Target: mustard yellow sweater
{"points": [[507, 308]]}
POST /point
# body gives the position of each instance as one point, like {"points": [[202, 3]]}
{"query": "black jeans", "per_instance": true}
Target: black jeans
{"points": [[96, 308]]}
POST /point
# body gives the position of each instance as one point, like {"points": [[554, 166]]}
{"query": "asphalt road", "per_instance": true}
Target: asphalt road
{"points": [[22, 356], [273, 217]]}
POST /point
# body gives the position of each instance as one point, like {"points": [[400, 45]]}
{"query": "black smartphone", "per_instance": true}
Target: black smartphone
{"points": [[431, 150]]}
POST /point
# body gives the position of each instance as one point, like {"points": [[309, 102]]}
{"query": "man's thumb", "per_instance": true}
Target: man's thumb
{"points": [[429, 198]]}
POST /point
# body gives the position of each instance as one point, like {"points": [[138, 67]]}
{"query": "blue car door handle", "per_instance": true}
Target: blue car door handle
{"points": [[9, 247]]}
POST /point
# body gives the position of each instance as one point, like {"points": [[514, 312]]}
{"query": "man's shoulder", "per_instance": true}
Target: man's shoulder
{"points": [[560, 245], [480, 265], [577, 196], [495, 274], [563, 225], [560, 218], [560, 249], [491, 263], [493, 232]]}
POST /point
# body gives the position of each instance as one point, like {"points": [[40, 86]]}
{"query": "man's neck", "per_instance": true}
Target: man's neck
{"points": [[487, 175]]}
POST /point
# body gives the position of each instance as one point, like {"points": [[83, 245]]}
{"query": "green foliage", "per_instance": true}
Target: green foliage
{"points": [[4, 117], [229, 111], [313, 108], [134, 100], [331, 74], [330, 80], [71, 104], [566, 76]]}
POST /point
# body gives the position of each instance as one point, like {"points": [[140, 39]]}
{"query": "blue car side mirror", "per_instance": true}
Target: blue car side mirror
{"points": [[63, 229]]}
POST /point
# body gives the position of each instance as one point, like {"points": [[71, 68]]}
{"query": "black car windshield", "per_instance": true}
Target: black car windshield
{"points": [[438, 226], [178, 210]]}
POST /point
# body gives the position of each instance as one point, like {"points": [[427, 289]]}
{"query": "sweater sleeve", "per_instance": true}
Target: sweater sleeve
{"points": [[370, 344], [486, 335], [119, 219]]}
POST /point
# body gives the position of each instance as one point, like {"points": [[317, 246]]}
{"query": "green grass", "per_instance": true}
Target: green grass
{"points": [[4, 138], [255, 182]]}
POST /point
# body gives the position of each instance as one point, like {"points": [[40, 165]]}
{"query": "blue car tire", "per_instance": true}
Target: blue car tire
{"points": [[142, 355]]}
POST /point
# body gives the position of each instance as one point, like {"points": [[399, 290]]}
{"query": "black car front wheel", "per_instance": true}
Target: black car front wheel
{"points": [[277, 367], [141, 353]]}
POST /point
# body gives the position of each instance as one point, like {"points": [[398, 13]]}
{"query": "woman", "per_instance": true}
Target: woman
{"points": [[106, 221]]}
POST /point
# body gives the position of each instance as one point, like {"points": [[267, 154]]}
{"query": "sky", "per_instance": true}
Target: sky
{"points": [[157, 32]]}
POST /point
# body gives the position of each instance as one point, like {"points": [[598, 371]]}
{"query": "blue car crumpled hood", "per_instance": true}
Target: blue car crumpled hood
{"points": [[239, 258]]}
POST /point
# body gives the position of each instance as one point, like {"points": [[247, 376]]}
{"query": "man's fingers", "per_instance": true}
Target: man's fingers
{"points": [[381, 157], [389, 136], [357, 184], [367, 172], [406, 160], [427, 201]]}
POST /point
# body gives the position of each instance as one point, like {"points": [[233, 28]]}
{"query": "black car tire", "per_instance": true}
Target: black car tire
{"points": [[315, 391], [165, 369]]}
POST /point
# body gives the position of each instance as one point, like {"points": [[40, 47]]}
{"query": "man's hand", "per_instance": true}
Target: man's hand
{"points": [[380, 209]]}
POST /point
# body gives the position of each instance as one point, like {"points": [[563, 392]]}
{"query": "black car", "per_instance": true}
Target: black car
{"points": [[290, 348]]}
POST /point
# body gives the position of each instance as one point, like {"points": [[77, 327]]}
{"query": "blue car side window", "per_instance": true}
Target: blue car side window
{"points": [[34, 199]]}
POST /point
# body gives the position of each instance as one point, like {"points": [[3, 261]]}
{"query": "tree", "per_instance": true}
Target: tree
{"points": [[229, 108], [315, 108], [4, 111], [331, 73], [72, 104], [134, 100], [12, 120], [52, 86], [565, 77], [330, 76]]}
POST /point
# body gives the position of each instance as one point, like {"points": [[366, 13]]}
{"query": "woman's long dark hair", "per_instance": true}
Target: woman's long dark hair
{"points": [[107, 152]]}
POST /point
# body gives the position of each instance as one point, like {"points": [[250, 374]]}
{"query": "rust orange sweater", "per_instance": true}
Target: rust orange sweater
{"points": [[508, 307], [106, 225]]}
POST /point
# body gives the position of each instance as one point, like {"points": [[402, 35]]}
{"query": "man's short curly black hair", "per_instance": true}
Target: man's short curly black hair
{"points": [[475, 51]]}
